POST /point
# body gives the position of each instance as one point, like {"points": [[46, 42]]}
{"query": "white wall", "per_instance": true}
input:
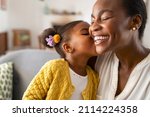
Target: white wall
{"points": [[28, 14], [25, 14], [78, 6], [83, 6], [146, 38], [3, 21]]}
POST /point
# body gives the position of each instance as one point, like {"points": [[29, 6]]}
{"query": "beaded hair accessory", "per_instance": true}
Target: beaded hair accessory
{"points": [[52, 40]]}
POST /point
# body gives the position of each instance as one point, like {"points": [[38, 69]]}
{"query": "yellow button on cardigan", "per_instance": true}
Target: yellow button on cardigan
{"points": [[53, 82]]}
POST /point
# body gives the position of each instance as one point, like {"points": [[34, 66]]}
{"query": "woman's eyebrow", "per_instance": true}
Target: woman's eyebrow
{"points": [[101, 12]]}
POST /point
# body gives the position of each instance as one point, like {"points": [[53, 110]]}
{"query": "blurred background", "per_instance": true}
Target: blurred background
{"points": [[21, 21]]}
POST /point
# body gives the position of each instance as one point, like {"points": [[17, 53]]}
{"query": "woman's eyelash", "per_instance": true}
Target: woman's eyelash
{"points": [[106, 18], [102, 18]]}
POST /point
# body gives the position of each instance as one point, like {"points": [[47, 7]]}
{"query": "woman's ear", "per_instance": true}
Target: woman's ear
{"points": [[136, 22], [67, 48]]}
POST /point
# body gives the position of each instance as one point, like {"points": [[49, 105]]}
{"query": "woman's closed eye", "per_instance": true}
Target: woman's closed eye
{"points": [[106, 18], [106, 15]]}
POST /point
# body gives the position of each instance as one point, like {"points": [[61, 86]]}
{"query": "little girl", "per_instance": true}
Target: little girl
{"points": [[68, 77]]}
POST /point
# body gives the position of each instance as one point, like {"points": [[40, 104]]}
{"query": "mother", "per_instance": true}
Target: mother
{"points": [[117, 28]]}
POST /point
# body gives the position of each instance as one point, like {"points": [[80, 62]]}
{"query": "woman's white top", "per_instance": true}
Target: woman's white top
{"points": [[137, 86], [79, 83]]}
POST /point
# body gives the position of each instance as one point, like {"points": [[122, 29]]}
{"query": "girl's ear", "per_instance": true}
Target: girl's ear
{"points": [[136, 22], [67, 48]]}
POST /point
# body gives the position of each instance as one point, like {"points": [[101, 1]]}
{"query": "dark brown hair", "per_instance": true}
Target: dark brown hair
{"points": [[63, 31], [134, 7]]}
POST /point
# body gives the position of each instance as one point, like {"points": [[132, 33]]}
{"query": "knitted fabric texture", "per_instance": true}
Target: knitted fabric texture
{"points": [[53, 82]]}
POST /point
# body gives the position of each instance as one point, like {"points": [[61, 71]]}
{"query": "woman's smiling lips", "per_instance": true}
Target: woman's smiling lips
{"points": [[100, 39]]}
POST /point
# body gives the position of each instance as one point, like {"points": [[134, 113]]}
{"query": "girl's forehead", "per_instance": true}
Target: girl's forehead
{"points": [[81, 25]]}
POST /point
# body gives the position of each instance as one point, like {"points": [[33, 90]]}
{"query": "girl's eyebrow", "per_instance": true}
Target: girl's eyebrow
{"points": [[101, 12], [84, 29]]}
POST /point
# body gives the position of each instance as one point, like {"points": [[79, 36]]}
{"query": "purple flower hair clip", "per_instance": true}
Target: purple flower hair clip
{"points": [[50, 41]]}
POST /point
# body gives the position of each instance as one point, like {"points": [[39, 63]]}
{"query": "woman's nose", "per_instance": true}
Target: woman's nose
{"points": [[95, 27]]}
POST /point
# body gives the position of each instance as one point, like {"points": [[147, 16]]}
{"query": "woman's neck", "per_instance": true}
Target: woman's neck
{"points": [[78, 65], [130, 56]]}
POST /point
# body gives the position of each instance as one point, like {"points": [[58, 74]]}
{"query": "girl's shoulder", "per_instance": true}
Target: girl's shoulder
{"points": [[56, 64], [91, 72]]}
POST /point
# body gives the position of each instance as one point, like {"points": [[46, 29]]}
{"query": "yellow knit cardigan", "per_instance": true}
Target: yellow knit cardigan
{"points": [[53, 82]]}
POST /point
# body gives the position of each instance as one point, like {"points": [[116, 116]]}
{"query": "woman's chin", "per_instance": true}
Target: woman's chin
{"points": [[100, 50]]}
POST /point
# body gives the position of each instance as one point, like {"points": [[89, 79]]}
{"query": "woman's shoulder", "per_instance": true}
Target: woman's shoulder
{"points": [[145, 63]]}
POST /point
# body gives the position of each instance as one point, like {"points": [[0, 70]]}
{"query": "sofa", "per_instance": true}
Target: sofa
{"points": [[26, 63]]}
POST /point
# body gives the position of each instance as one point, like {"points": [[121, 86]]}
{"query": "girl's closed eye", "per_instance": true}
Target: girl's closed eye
{"points": [[84, 32]]}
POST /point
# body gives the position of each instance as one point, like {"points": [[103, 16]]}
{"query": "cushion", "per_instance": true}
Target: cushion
{"points": [[6, 76]]}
